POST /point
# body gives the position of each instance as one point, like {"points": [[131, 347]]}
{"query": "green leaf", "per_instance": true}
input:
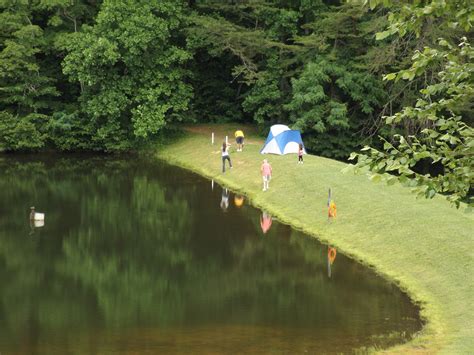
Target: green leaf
{"points": [[408, 75], [391, 181], [444, 43], [431, 193], [373, 4], [382, 35], [375, 178], [390, 76], [350, 168]]}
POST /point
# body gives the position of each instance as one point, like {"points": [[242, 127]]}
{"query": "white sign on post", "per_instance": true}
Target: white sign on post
{"points": [[212, 138]]}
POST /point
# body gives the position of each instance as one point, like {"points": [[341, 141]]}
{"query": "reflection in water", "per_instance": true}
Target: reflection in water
{"points": [[265, 222], [32, 213], [238, 200], [137, 257], [32, 227], [35, 224], [38, 224], [331, 257], [225, 199], [36, 220]]}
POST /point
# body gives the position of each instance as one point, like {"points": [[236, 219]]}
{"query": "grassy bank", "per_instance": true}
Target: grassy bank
{"points": [[426, 246]]}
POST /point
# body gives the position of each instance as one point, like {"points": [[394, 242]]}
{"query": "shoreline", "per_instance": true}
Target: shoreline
{"points": [[440, 333]]}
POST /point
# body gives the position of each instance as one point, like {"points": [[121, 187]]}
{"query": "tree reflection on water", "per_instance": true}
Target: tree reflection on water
{"points": [[130, 244]]}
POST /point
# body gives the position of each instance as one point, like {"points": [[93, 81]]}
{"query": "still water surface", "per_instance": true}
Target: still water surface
{"points": [[141, 257]]}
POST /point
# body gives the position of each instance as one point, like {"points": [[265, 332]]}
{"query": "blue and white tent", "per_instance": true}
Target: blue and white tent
{"points": [[282, 140]]}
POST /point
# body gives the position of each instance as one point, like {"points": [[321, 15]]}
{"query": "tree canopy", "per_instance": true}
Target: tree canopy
{"points": [[442, 112], [115, 75]]}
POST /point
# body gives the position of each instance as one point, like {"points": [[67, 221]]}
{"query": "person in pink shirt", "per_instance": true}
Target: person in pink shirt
{"points": [[300, 154], [266, 170]]}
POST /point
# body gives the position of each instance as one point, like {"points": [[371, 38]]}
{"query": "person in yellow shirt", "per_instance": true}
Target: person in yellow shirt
{"points": [[239, 138]]}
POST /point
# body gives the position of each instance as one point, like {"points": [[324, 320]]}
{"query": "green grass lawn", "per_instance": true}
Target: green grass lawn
{"points": [[425, 246]]}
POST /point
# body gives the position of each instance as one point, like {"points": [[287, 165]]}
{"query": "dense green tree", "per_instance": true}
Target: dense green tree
{"points": [[131, 66], [25, 89], [257, 36], [112, 75], [265, 98], [33, 89], [322, 98], [443, 109], [335, 96]]}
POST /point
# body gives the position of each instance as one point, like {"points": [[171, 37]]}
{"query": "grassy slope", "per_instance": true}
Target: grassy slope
{"points": [[426, 246]]}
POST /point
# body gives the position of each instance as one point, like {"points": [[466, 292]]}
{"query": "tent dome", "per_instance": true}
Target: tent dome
{"points": [[282, 140], [276, 129]]}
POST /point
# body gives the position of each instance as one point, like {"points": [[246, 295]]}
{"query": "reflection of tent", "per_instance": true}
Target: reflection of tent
{"points": [[282, 140]]}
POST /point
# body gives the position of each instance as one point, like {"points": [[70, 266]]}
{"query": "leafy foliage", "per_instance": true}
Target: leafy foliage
{"points": [[447, 137], [264, 100], [25, 90], [112, 75], [131, 66], [20, 133]]}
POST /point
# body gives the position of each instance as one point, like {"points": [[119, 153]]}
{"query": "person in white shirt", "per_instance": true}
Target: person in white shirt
{"points": [[225, 155]]}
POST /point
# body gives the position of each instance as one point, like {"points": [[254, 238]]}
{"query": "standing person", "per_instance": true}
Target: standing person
{"points": [[300, 154], [225, 155], [239, 138], [266, 170]]}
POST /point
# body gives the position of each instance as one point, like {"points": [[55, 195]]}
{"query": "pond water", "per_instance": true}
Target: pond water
{"points": [[138, 256]]}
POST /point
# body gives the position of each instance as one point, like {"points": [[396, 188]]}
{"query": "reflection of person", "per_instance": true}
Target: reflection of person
{"points": [[265, 222], [266, 170], [32, 227], [225, 200], [331, 257], [239, 138], [32, 220], [32, 213], [300, 154], [238, 200], [225, 155]]}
